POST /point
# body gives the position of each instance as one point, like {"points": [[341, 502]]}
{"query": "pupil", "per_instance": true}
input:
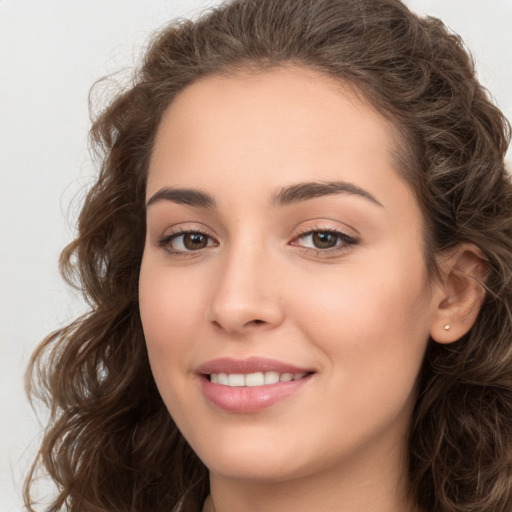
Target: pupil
{"points": [[194, 241], [324, 240]]}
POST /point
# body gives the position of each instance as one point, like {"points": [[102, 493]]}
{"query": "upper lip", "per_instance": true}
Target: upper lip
{"points": [[249, 365]]}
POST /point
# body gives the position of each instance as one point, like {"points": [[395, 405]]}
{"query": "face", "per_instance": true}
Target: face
{"points": [[283, 289]]}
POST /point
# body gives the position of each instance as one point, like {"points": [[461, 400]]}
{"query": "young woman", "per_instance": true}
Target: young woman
{"points": [[298, 256]]}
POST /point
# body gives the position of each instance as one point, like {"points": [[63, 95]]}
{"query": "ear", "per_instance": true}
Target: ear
{"points": [[459, 294]]}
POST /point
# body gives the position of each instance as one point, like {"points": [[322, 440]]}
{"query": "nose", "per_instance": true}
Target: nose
{"points": [[246, 294]]}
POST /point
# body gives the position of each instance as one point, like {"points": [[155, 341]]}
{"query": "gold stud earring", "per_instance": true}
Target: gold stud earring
{"points": [[447, 327]]}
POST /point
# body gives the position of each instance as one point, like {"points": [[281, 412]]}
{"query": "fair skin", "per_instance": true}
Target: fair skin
{"points": [[241, 263]]}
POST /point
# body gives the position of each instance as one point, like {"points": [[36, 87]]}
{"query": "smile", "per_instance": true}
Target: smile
{"points": [[250, 385], [253, 379]]}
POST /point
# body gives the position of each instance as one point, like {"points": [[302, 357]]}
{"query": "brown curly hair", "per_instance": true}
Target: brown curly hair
{"points": [[110, 444]]}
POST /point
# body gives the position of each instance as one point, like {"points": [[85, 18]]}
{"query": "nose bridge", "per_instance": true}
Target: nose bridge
{"points": [[246, 290]]}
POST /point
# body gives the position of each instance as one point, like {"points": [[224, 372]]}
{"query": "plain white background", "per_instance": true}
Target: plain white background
{"points": [[51, 52]]}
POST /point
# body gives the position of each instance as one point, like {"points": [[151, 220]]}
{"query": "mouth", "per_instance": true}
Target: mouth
{"points": [[250, 385], [254, 379]]}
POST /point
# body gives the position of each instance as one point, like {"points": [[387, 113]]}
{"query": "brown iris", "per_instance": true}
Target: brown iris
{"points": [[195, 241], [324, 240]]}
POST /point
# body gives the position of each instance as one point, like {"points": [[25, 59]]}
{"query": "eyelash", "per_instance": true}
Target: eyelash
{"points": [[345, 241], [165, 241]]}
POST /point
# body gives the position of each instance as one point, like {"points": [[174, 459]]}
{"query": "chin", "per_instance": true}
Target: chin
{"points": [[255, 469], [252, 458]]}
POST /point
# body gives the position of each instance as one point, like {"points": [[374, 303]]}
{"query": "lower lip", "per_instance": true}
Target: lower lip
{"points": [[248, 399]]}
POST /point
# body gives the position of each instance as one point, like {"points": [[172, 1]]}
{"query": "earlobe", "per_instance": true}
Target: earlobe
{"points": [[461, 293]]}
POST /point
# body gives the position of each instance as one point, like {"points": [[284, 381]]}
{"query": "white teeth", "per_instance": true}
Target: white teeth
{"points": [[253, 379], [271, 377], [236, 379], [222, 378]]}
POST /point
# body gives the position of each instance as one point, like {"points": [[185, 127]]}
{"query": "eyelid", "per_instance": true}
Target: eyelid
{"points": [[344, 244], [180, 230], [348, 241]]}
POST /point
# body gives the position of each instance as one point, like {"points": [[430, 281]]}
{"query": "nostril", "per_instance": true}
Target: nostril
{"points": [[216, 324]]}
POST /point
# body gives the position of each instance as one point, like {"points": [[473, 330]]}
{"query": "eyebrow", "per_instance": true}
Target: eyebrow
{"points": [[188, 196], [311, 190], [285, 196]]}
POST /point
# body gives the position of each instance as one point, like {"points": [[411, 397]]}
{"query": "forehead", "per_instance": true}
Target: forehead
{"points": [[285, 124], [283, 95]]}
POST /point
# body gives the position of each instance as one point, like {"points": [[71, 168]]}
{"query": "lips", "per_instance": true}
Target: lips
{"points": [[250, 385], [249, 365]]}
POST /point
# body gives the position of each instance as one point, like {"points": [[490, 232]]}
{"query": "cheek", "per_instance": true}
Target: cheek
{"points": [[166, 310], [371, 320], [364, 312], [168, 313]]}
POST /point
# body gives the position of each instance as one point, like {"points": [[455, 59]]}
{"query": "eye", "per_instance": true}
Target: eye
{"points": [[324, 240], [186, 241], [321, 239]]}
